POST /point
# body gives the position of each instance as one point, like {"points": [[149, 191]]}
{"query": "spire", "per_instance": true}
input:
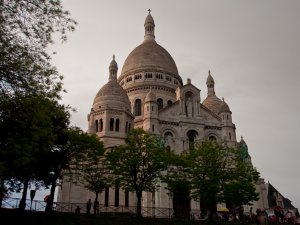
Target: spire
{"points": [[149, 28], [210, 84], [113, 69]]}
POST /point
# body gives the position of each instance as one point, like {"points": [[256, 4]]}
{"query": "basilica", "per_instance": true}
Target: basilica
{"points": [[149, 93]]}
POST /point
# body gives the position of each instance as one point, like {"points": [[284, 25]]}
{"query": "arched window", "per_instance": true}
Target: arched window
{"points": [[96, 124], [212, 138], [168, 134], [111, 124], [169, 103], [138, 107], [117, 125], [229, 136], [192, 134], [160, 103], [101, 125]]}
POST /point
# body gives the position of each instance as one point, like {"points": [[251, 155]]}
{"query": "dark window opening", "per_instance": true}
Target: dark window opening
{"points": [[212, 138], [126, 127], [138, 107], [111, 124], [168, 134], [160, 103], [192, 136], [169, 103], [101, 124], [96, 124], [117, 125]]}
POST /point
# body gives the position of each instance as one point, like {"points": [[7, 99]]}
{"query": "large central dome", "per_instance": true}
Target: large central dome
{"points": [[149, 56]]}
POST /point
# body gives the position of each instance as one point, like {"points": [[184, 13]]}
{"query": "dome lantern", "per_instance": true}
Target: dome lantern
{"points": [[149, 28], [210, 84], [113, 69]]}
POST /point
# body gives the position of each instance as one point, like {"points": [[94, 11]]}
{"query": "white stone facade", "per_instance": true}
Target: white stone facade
{"points": [[149, 93]]}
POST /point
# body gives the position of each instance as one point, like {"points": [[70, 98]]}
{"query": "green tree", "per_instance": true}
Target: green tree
{"points": [[210, 167], [240, 190], [72, 150], [178, 184], [95, 175], [29, 128], [138, 163], [26, 30]]}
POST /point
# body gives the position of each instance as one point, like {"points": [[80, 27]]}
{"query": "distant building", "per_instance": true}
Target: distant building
{"points": [[149, 93]]}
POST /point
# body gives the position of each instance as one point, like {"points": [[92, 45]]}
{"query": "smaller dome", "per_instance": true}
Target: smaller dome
{"points": [[150, 97], [213, 103], [112, 94], [224, 107]]}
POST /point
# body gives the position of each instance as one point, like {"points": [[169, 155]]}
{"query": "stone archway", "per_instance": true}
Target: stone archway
{"points": [[191, 135]]}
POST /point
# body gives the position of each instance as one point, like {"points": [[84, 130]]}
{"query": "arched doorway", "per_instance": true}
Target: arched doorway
{"points": [[192, 134]]}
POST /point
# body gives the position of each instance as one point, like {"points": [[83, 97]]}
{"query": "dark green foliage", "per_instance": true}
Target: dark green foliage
{"points": [[88, 166], [30, 126], [71, 151], [26, 30], [31, 120], [217, 174], [138, 163], [210, 166], [241, 189]]}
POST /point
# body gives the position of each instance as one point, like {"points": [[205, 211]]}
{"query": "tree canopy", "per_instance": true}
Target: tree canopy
{"points": [[138, 163], [31, 119], [216, 172], [26, 30]]}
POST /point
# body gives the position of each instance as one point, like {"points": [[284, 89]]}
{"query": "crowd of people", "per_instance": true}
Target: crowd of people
{"points": [[279, 215]]}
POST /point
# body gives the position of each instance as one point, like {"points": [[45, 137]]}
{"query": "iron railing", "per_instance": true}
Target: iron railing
{"points": [[37, 205]]}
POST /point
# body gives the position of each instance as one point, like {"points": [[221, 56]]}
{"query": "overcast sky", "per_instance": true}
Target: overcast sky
{"points": [[251, 47]]}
